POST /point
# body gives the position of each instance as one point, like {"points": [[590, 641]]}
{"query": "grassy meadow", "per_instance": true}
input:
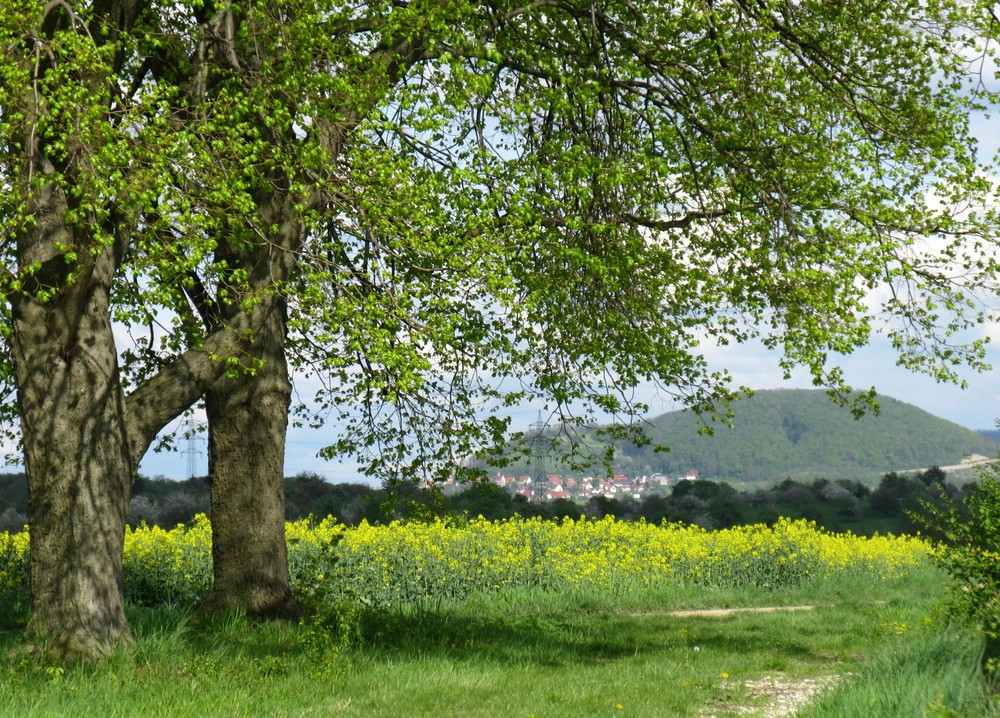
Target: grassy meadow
{"points": [[523, 618]]}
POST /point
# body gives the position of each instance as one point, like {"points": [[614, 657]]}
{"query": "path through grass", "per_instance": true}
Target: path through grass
{"points": [[518, 655]]}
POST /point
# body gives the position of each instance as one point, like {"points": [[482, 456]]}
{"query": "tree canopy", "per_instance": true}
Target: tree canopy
{"points": [[573, 196]]}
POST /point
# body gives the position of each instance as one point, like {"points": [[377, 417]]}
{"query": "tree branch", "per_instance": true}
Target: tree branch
{"points": [[175, 387]]}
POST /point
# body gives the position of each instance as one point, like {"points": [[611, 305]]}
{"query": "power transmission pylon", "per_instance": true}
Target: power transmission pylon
{"points": [[539, 473], [191, 451]]}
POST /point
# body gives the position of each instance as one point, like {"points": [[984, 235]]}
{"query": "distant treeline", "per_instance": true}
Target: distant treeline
{"points": [[841, 505]]}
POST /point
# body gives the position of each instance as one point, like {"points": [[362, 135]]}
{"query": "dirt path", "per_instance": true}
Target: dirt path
{"points": [[782, 697], [721, 612], [783, 694]]}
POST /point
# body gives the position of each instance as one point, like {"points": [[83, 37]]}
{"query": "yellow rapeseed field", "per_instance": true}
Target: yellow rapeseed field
{"points": [[417, 562], [404, 562]]}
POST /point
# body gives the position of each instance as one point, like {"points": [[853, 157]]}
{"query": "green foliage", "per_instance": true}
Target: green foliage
{"points": [[898, 495], [14, 492], [580, 243], [969, 539], [466, 206]]}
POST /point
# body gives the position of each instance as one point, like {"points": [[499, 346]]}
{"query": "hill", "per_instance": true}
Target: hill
{"points": [[801, 434]]}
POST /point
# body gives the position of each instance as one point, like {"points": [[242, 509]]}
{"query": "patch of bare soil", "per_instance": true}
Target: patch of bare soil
{"points": [[783, 696], [721, 612]]}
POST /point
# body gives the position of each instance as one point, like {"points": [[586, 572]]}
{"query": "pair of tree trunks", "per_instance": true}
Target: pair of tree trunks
{"points": [[81, 463], [83, 439]]}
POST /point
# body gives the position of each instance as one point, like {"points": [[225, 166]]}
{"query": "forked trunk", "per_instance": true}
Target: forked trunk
{"points": [[79, 471], [247, 420]]}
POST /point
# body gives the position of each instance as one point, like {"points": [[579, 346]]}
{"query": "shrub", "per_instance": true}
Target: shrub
{"points": [[968, 550]]}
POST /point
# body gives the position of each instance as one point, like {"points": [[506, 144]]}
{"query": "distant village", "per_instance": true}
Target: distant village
{"points": [[620, 486], [556, 486]]}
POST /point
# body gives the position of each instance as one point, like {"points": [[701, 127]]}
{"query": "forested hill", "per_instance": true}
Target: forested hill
{"points": [[782, 434], [792, 433]]}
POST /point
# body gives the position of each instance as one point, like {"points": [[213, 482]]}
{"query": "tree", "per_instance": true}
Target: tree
{"points": [[575, 221], [485, 499], [600, 506], [277, 149], [638, 195], [141, 509], [12, 520], [534, 213], [247, 420], [85, 152], [461, 206], [934, 476]]}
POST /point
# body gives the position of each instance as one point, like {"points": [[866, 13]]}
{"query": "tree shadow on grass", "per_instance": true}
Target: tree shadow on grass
{"points": [[552, 637], [565, 639]]}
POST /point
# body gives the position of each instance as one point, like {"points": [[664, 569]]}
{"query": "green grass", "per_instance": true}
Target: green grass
{"points": [[895, 682], [523, 655]]}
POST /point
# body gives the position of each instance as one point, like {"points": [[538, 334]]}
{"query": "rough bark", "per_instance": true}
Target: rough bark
{"points": [[83, 438], [77, 453], [247, 420], [79, 470]]}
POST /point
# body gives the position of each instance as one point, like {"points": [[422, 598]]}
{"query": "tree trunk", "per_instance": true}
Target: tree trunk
{"points": [[79, 469], [247, 423], [82, 440]]}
